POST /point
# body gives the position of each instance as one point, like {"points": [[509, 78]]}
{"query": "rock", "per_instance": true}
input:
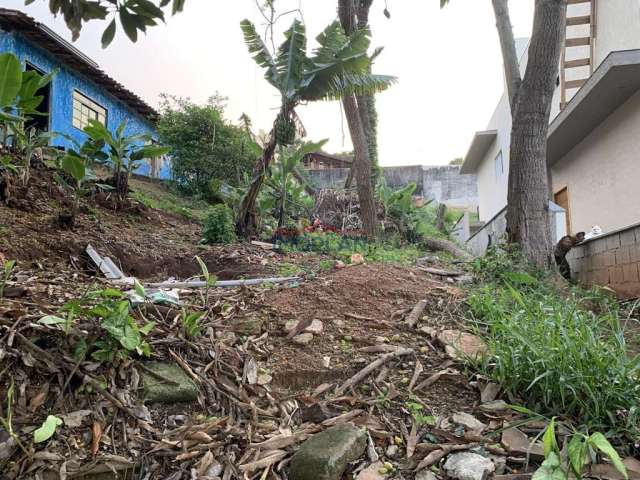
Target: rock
{"points": [[495, 406], [8, 445], [468, 421], [517, 442], [489, 392], [426, 475], [392, 450], [461, 345], [315, 327], [468, 466], [340, 264], [303, 339], [326, 362], [464, 279], [325, 456], [179, 388], [372, 472], [264, 379]]}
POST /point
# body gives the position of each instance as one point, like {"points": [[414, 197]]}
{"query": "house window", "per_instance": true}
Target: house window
{"points": [[499, 165], [85, 109]]}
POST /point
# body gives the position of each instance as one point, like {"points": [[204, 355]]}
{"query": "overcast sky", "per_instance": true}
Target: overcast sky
{"points": [[447, 61]]}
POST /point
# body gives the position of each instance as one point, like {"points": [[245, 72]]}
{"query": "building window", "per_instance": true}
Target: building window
{"points": [[499, 165], [85, 109]]}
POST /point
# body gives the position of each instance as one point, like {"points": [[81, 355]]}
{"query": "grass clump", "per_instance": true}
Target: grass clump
{"points": [[550, 349], [219, 226]]}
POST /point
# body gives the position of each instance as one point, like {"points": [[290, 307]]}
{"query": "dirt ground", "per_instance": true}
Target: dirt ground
{"points": [[255, 384]]}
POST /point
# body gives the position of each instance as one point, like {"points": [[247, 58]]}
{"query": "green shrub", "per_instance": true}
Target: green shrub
{"points": [[219, 226], [551, 350]]}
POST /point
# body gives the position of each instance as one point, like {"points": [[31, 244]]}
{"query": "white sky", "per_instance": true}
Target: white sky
{"points": [[448, 63]]}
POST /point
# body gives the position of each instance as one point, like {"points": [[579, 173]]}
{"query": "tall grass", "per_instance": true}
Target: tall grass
{"points": [[552, 351]]}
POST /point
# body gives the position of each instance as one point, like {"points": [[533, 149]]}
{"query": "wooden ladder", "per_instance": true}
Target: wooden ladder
{"points": [[573, 45]]}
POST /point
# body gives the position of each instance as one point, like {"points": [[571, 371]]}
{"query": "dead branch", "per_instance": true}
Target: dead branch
{"points": [[366, 371]]}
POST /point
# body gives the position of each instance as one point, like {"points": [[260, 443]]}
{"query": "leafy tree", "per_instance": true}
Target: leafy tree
{"points": [[203, 146], [457, 161], [133, 15], [530, 98], [338, 68]]}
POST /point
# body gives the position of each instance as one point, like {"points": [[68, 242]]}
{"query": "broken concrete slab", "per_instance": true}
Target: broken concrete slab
{"points": [[516, 441], [303, 339], [166, 382], [461, 345], [468, 466], [325, 456]]}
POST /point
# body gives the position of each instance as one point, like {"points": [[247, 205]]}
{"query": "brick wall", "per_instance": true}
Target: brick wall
{"points": [[610, 260]]}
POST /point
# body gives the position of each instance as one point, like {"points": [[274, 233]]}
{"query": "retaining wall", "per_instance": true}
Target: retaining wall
{"points": [[611, 260]]}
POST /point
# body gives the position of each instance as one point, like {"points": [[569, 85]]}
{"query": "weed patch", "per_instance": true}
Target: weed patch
{"points": [[548, 348]]}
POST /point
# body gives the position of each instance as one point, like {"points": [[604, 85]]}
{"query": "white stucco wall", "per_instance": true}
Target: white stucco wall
{"points": [[618, 28], [602, 173]]}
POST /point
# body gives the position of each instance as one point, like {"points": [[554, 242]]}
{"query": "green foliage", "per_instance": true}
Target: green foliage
{"points": [[342, 247], [410, 221], [549, 348], [219, 226], [133, 15], [285, 193], [581, 451], [10, 79], [7, 269], [47, 429], [191, 324], [204, 146], [417, 412]]}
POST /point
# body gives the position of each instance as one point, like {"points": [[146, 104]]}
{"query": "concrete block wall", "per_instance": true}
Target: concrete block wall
{"points": [[611, 260], [444, 184]]}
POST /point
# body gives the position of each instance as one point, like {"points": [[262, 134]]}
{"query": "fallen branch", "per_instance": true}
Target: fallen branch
{"points": [[437, 244], [366, 371], [416, 313], [437, 455]]}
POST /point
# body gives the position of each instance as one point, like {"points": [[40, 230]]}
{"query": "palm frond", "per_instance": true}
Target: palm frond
{"points": [[260, 52], [292, 58], [330, 42], [358, 84]]}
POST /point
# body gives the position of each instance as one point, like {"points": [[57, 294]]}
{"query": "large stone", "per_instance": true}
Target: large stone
{"points": [[316, 326], [468, 466], [325, 456], [303, 339], [461, 345], [176, 387]]}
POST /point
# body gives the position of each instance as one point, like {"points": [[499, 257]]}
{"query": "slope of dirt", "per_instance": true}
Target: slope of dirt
{"points": [[254, 384]]}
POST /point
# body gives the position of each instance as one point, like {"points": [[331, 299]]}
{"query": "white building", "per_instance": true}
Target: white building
{"points": [[594, 136]]}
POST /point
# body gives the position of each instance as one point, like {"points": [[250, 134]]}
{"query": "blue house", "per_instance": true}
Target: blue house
{"points": [[80, 91]]}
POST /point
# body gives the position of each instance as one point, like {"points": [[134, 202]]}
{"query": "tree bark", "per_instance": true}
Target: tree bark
{"points": [[528, 194], [508, 46], [362, 166], [246, 223]]}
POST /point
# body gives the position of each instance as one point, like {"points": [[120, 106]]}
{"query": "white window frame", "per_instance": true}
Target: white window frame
{"points": [[85, 109]]}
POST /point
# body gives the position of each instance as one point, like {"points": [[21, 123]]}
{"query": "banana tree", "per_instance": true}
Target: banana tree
{"points": [[287, 183], [338, 67], [123, 153]]}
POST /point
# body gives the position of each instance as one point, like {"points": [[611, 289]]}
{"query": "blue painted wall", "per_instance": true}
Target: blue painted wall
{"points": [[62, 87]]}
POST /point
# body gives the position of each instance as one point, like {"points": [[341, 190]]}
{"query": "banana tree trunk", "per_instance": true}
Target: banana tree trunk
{"points": [[246, 223]]}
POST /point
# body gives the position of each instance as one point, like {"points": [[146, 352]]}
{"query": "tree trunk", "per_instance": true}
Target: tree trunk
{"points": [[528, 196], [508, 46], [246, 223], [362, 166]]}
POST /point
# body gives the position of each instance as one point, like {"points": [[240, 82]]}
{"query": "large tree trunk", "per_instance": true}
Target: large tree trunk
{"points": [[246, 223], [362, 167], [528, 195]]}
